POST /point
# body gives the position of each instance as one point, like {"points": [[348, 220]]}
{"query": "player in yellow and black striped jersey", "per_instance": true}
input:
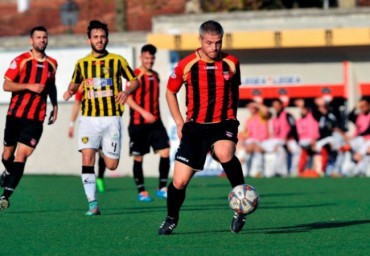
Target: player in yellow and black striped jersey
{"points": [[100, 73], [101, 79]]}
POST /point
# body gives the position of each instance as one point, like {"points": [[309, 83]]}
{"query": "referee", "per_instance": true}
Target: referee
{"points": [[212, 80]]}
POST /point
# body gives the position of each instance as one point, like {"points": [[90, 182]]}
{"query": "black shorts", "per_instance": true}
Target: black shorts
{"points": [[198, 139], [144, 136], [22, 130]]}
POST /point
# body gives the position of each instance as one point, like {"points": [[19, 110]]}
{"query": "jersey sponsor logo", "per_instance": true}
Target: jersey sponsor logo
{"points": [[211, 67], [13, 65], [40, 66], [182, 159], [97, 82], [85, 140], [99, 94]]}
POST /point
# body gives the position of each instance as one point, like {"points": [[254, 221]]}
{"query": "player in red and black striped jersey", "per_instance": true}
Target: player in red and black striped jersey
{"points": [[212, 80], [146, 128], [30, 78]]}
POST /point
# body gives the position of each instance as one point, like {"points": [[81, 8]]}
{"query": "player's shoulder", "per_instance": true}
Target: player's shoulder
{"points": [[188, 59], [112, 55], [52, 60], [23, 56], [228, 56]]}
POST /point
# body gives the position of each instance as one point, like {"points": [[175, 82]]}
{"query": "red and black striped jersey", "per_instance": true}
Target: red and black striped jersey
{"points": [[146, 95], [212, 88], [26, 69]]}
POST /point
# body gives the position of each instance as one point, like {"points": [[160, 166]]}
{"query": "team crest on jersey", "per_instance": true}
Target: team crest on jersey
{"points": [[105, 70], [13, 65], [226, 75], [85, 140]]}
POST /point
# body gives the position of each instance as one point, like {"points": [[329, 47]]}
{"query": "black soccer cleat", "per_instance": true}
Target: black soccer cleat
{"points": [[3, 179], [237, 223], [168, 226]]}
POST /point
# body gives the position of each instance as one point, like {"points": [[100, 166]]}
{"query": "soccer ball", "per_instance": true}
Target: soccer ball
{"points": [[244, 199]]}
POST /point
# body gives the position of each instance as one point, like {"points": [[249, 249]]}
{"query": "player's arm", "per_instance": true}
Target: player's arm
{"points": [[122, 96], [10, 86], [74, 115], [52, 92], [173, 105], [71, 90], [149, 117]]}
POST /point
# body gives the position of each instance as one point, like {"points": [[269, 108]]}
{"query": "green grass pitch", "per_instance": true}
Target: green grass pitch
{"points": [[295, 217]]}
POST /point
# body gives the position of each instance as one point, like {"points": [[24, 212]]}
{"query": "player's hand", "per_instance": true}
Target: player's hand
{"points": [[179, 130], [149, 117], [71, 132], [37, 88], [121, 97], [53, 116]]}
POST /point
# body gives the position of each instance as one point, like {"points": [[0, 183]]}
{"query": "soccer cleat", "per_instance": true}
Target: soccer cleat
{"points": [[4, 203], [144, 197], [238, 222], [168, 225], [93, 209], [3, 179], [162, 193], [100, 185]]}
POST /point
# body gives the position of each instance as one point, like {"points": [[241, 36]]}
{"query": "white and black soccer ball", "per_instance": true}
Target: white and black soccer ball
{"points": [[244, 199]]}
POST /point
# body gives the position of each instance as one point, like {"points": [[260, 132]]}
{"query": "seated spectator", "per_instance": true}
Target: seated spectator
{"points": [[256, 131], [360, 142], [332, 137], [283, 140], [308, 133]]}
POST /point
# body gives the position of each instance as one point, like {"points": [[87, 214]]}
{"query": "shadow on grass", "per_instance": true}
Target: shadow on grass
{"points": [[314, 226]]}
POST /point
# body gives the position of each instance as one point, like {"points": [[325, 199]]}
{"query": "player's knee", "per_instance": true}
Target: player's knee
{"points": [[112, 165], [224, 156], [180, 184]]}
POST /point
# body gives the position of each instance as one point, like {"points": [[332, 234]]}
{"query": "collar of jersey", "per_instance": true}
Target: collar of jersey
{"points": [[100, 57]]}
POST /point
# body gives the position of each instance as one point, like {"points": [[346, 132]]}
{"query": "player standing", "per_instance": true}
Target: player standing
{"points": [[100, 73], [146, 128], [30, 78], [100, 184], [212, 80]]}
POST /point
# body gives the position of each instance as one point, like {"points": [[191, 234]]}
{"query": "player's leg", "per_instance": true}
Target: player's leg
{"points": [[176, 196], [89, 180], [159, 140], [15, 174], [100, 184], [139, 146], [164, 169], [7, 160], [89, 143]]}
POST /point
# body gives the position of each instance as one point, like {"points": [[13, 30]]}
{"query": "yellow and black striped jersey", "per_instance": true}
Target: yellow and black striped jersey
{"points": [[101, 79]]}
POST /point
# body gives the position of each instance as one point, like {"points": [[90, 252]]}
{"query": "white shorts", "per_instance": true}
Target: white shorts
{"points": [[101, 133]]}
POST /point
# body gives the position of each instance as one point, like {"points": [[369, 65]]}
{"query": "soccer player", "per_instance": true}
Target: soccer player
{"points": [[100, 73], [146, 128], [30, 78], [212, 80], [100, 184]]}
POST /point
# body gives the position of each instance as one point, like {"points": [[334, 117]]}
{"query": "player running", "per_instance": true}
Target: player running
{"points": [[100, 184], [100, 73], [30, 78], [212, 80], [146, 128]]}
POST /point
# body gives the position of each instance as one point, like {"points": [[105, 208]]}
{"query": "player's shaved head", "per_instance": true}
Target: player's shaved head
{"points": [[211, 27]]}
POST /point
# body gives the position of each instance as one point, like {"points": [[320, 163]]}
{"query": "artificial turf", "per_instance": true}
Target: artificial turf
{"points": [[324, 216]]}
